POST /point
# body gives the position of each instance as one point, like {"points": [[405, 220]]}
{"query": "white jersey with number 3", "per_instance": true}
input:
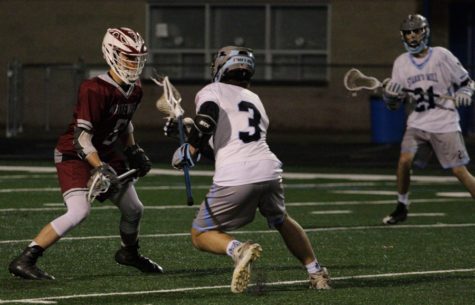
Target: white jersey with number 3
{"points": [[427, 77], [241, 151]]}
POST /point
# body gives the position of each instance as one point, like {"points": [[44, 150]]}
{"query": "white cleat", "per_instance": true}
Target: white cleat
{"points": [[243, 257], [320, 279]]}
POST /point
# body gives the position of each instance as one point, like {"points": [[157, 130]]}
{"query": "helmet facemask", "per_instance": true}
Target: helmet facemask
{"points": [[125, 52], [415, 33], [233, 63]]}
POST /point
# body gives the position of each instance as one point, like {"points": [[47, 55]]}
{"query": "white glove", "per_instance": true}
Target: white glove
{"points": [[393, 90], [171, 127], [393, 94], [183, 157], [463, 97]]}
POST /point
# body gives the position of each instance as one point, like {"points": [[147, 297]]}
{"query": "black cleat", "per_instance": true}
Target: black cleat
{"points": [[399, 215], [25, 267], [129, 256]]}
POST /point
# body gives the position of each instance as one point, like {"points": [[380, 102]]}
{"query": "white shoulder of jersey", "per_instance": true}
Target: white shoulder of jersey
{"points": [[442, 50], [207, 93], [402, 58]]}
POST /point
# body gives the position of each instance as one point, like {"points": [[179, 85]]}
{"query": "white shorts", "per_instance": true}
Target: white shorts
{"points": [[449, 147], [228, 208]]}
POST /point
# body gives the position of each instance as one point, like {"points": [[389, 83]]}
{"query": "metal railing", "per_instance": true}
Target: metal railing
{"points": [[40, 80], [37, 91]]}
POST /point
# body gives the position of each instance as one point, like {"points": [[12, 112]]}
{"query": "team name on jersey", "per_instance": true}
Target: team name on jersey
{"points": [[422, 77], [123, 109]]}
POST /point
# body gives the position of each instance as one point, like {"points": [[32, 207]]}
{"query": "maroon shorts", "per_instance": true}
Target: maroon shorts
{"points": [[74, 174]]}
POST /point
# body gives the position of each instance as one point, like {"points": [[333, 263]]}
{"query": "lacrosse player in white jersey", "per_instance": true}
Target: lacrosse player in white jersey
{"points": [[248, 176], [423, 74]]}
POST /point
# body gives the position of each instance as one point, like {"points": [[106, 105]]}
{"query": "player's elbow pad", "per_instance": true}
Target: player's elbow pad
{"points": [[202, 130], [83, 142]]}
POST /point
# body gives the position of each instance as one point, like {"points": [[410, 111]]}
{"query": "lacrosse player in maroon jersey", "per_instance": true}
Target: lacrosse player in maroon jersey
{"points": [[248, 176], [100, 142]]}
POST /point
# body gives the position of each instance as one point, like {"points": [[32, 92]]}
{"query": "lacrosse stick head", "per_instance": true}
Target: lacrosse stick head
{"points": [[164, 107], [355, 80], [169, 102], [97, 184]]}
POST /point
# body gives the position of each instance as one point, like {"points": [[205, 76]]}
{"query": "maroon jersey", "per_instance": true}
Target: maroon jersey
{"points": [[105, 110]]}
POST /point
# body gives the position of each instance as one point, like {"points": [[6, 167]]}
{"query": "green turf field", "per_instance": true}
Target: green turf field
{"points": [[429, 259]]}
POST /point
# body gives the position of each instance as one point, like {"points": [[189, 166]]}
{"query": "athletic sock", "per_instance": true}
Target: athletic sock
{"points": [[313, 267], [233, 244], [403, 198]]}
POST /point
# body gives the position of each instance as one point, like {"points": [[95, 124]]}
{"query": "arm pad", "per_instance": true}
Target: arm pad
{"points": [[83, 142], [205, 125]]}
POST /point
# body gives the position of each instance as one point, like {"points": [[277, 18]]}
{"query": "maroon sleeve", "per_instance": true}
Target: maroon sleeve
{"points": [[91, 104]]}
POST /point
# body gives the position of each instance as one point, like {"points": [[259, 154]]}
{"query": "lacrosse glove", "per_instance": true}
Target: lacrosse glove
{"points": [[171, 127], [463, 97], [183, 157], [138, 159], [110, 175], [393, 94]]}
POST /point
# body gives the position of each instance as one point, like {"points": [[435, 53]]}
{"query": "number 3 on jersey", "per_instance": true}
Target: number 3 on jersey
{"points": [[254, 121]]}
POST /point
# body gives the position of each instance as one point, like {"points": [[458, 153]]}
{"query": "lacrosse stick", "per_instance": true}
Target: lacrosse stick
{"points": [[169, 104], [354, 81], [101, 184]]}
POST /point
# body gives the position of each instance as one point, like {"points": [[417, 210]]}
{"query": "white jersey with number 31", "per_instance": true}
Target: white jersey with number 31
{"points": [[426, 78], [241, 151]]}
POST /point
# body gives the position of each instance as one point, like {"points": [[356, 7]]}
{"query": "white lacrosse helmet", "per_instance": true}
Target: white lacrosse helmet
{"points": [[419, 25], [233, 62], [125, 52]]}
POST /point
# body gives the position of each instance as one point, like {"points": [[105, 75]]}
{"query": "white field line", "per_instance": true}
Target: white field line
{"points": [[50, 299], [50, 206], [195, 186], [394, 193], [9, 177], [426, 214], [365, 192], [331, 212], [303, 176], [329, 229], [454, 194], [365, 202]]}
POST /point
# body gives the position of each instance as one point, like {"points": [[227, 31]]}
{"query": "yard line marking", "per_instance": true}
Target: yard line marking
{"points": [[329, 229], [28, 301], [181, 187], [51, 299], [329, 212], [328, 185], [454, 194], [425, 214], [363, 192], [60, 206], [381, 275], [33, 189], [26, 176], [364, 202], [302, 176]]}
